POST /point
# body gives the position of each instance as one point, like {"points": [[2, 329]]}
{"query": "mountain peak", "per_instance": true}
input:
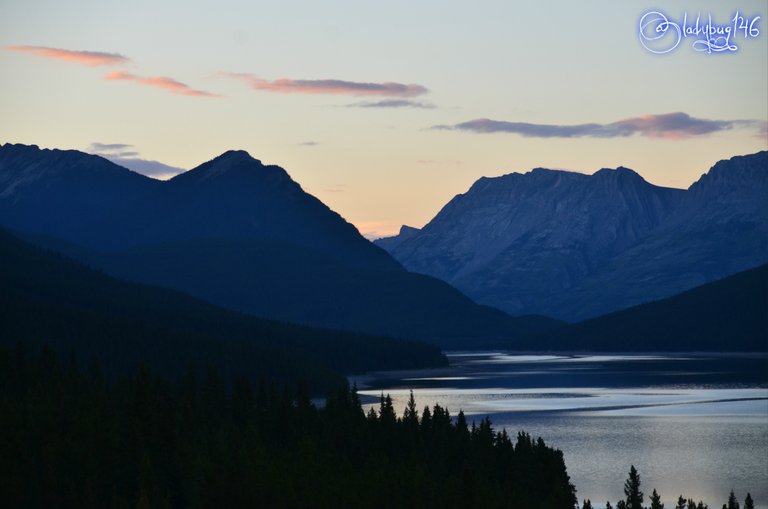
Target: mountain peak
{"points": [[545, 171], [234, 163], [573, 245], [233, 158], [737, 185], [620, 172], [236, 155], [19, 147], [408, 230], [739, 171], [24, 168]]}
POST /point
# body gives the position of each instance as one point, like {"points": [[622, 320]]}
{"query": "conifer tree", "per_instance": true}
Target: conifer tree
{"points": [[748, 502], [632, 490], [387, 412], [656, 501], [426, 421], [732, 502], [156, 444], [411, 413], [461, 421]]}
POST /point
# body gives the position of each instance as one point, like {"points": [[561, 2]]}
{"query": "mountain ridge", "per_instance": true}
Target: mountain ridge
{"points": [[573, 246], [50, 299], [729, 314], [243, 235]]}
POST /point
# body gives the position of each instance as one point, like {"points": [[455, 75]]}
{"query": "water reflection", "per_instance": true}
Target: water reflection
{"points": [[692, 424]]}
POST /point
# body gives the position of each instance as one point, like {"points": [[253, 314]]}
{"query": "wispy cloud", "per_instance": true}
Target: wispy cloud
{"points": [[101, 58], [309, 144], [328, 86], [91, 58], [148, 167], [120, 154], [108, 147], [673, 126], [166, 83], [392, 103], [128, 153]]}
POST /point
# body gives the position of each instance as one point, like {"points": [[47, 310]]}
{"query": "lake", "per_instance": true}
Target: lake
{"points": [[692, 424]]}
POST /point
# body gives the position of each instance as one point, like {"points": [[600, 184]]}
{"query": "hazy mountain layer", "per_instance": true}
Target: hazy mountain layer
{"points": [[574, 246], [239, 234]]}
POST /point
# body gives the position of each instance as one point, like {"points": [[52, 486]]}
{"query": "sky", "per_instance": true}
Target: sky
{"points": [[385, 111]]}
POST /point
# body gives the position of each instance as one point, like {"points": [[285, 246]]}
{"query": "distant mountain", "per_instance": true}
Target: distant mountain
{"points": [[730, 314], [719, 229], [69, 195], [239, 234], [390, 243], [575, 246], [46, 299], [90, 201]]}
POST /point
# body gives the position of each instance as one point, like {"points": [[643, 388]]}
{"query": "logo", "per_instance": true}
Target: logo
{"points": [[660, 34]]}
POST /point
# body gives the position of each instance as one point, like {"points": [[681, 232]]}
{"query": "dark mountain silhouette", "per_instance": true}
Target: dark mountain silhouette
{"points": [[239, 234], [236, 197], [69, 195], [49, 299], [729, 314], [90, 201], [575, 246]]}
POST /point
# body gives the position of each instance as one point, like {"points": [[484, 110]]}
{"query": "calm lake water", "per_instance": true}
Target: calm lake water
{"points": [[692, 424]]}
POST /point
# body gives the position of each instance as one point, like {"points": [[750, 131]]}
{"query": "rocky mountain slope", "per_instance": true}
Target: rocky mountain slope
{"points": [[575, 246], [236, 233]]}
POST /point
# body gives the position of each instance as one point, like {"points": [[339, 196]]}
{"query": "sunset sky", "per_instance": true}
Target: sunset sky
{"points": [[382, 110]]}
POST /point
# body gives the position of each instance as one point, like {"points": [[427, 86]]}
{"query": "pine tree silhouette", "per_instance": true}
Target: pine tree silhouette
{"points": [[632, 491]]}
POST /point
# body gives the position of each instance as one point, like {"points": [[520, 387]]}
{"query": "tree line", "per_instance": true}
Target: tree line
{"points": [[634, 498], [71, 437], [48, 299]]}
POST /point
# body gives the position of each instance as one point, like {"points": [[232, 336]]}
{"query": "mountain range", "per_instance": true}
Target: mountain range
{"points": [[238, 234], [729, 314], [573, 246], [50, 300]]}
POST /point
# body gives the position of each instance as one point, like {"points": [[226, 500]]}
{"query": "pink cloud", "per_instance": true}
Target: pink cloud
{"points": [[169, 84], [670, 126], [329, 86], [91, 58]]}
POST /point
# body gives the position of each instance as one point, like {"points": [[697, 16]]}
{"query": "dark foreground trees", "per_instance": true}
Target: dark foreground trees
{"points": [[656, 501], [635, 497], [70, 439], [632, 490]]}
